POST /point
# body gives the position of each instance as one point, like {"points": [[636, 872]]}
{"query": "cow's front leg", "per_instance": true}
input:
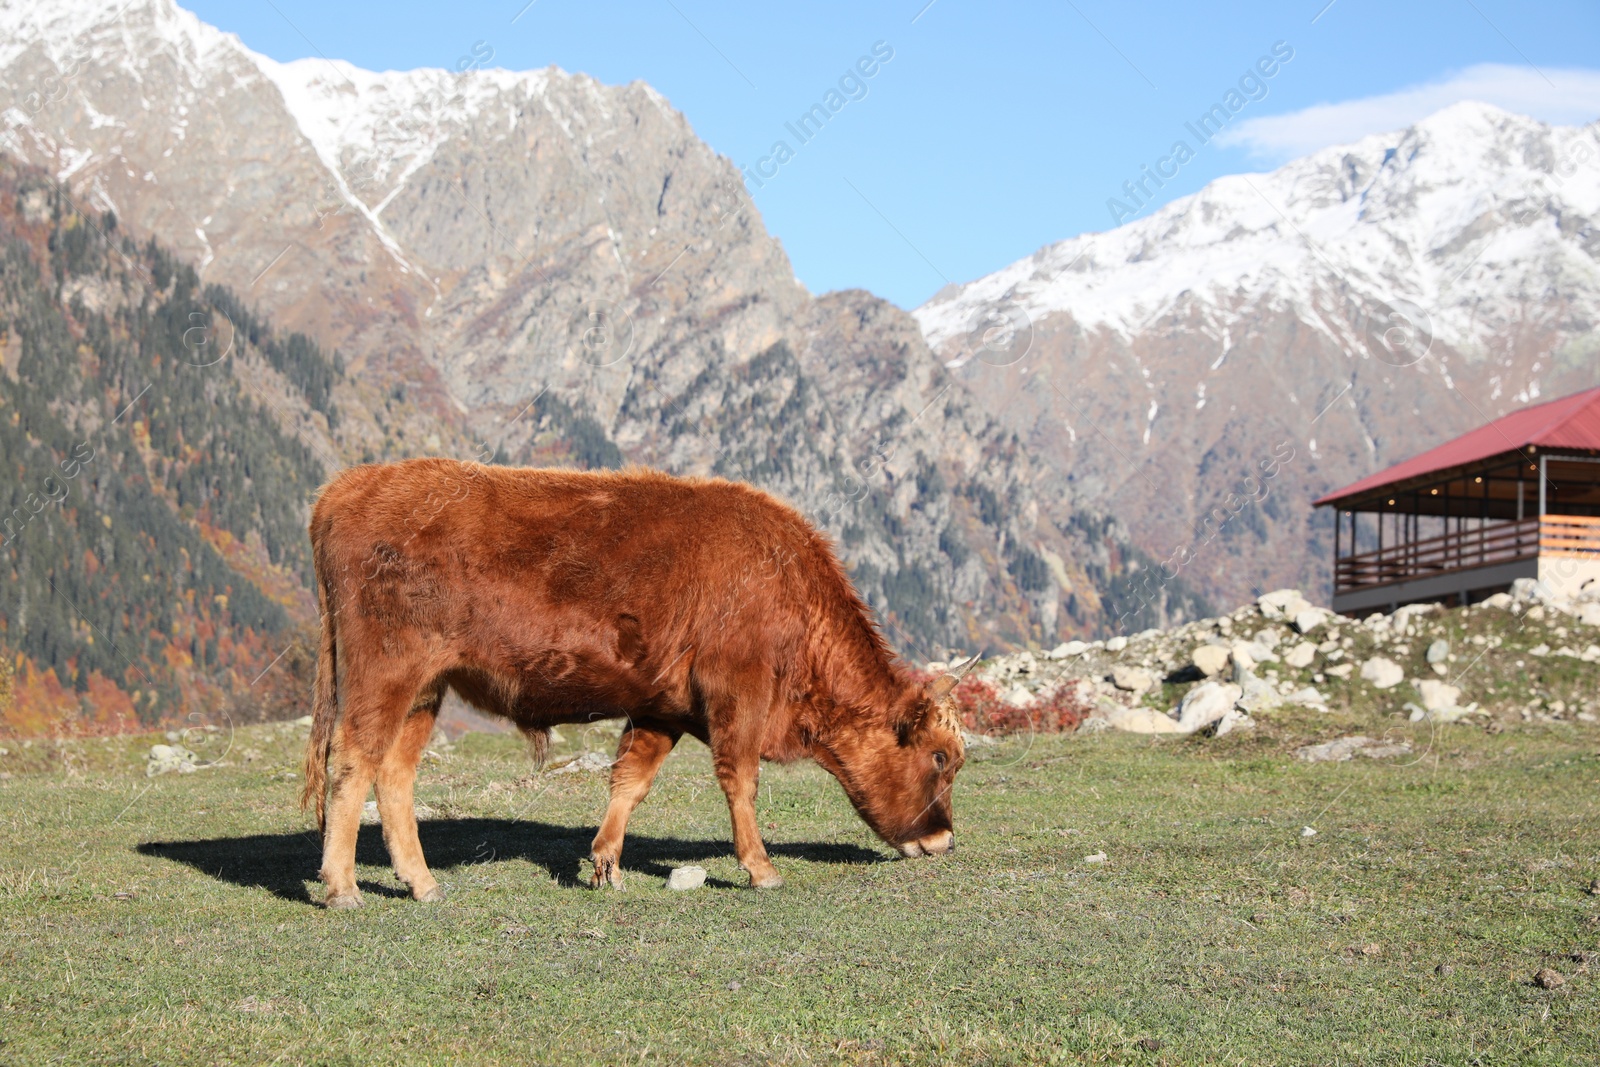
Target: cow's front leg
{"points": [[640, 753], [739, 772]]}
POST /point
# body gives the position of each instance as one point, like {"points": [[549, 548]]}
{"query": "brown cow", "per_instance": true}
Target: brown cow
{"points": [[680, 605]]}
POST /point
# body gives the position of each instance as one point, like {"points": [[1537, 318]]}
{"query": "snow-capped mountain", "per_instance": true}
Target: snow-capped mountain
{"points": [[540, 266], [1420, 282]]}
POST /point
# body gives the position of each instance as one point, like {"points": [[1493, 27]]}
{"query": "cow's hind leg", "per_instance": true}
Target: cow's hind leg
{"points": [[639, 756], [373, 717], [396, 777]]}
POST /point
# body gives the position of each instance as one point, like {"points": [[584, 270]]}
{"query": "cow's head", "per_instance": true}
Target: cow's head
{"points": [[898, 771]]}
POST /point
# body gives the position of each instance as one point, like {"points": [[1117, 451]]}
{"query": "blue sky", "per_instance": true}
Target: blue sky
{"points": [[994, 129]]}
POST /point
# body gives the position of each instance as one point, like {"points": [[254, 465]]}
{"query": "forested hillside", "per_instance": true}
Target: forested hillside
{"points": [[156, 483]]}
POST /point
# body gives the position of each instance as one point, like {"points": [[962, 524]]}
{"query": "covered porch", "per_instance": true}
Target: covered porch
{"points": [[1517, 498]]}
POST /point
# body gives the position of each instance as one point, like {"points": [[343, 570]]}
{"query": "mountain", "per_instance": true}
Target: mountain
{"points": [[1205, 372], [160, 444], [536, 268]]}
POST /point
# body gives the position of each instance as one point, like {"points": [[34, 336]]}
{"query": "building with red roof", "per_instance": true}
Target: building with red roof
{"points": [[1518, 497]]}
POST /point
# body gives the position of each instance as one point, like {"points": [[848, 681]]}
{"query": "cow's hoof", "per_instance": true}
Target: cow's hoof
{"points": [[432, 896], [770, 880], [341, 901], [606, 870]]}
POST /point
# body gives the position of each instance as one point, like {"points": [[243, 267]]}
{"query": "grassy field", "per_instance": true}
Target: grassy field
{"points": [[171, 919]]}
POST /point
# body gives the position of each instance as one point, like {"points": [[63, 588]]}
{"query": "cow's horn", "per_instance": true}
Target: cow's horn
{"points": [[956, 670]]}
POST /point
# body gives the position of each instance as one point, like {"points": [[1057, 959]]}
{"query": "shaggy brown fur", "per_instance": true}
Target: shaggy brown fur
{"points": [[547, 596]]}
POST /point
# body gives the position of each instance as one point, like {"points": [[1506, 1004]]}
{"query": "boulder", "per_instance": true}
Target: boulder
{"points": [[1437, 695], [1138, 720], [1209, 660], [1256, 651], [1346, 748], [1233, 720], [1134, 680], [1019, 697], [1067, 650], [1310, 619], [1257, 694], [1117, 644], [1301, 656], [1283, 603], [1382, 673], [1308, 697], [1206, 703], [169, 759]]}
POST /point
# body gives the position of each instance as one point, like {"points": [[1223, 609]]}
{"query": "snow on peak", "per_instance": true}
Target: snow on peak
{"points": [[73, 32], [1465, 214]]}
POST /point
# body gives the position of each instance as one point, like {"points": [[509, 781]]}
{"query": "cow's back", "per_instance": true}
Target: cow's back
{"points": [[531, 560]]}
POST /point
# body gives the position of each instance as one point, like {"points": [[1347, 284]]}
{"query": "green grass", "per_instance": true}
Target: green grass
{"points": [[170, 920]]}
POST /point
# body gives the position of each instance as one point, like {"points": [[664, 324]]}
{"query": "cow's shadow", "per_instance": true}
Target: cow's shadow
{"points": [[283, 864]]}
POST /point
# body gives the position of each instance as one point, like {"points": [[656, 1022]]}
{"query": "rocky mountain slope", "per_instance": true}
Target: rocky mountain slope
{"points": [[159, 443], [534, 267], [1204, 372]]}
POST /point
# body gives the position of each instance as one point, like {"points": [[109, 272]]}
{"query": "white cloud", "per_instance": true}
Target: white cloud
{"points": [[1562, 97]]}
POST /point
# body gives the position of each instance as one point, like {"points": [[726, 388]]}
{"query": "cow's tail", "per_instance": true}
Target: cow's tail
{"points": [[324, 710]]}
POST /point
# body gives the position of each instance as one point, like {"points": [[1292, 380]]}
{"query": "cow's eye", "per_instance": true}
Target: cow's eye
{"points": [[939, 760]]}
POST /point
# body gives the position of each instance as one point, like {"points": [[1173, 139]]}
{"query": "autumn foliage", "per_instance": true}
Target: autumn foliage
{"points": [[982, 710]]}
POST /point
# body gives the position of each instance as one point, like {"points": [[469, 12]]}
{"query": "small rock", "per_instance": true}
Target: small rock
{"points": [[1382, 673], [1341, 671], [1439, 651], [686, 878], [734, 986], [1501, 601], [1308, 831], [972, 740], [1117, 644], [1209, 660], [304, 720], [589, 761], [1444, 970], [1149, 1044], [1301, 656], [1589, 613], [1594, 888], [1132, 679], [1098, 857], [1545, 978], [1067, 650]]}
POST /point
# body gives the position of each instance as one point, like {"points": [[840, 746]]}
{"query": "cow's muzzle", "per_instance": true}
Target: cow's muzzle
{"points": [[932, 845]]}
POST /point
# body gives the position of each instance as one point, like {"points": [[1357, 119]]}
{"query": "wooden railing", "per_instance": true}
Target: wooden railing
{"points": [[1502, 542]]}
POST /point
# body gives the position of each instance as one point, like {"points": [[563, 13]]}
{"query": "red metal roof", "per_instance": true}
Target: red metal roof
{"points": [[1570, 422]]}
